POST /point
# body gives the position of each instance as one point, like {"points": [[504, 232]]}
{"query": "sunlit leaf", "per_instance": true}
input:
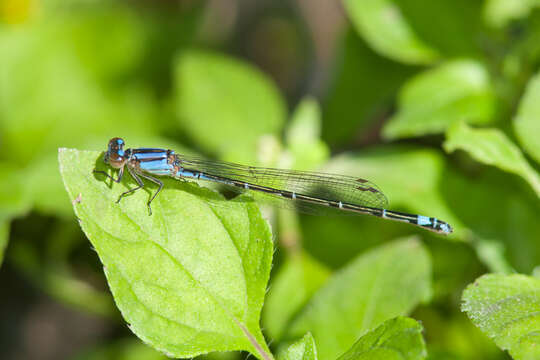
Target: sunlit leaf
{"points": [[507, 308], [399, 338], [14, 194], [295, 282], [226, 105], [303, 349], [498, 13], [189, 279], [382, 24], [431, 101], [55, 102], [492, 147], [378, 285], [527, 123], [111, 30], [302, 137]]}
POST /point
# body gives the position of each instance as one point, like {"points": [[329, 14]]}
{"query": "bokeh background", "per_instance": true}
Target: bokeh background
{"points": [[390, 90]]}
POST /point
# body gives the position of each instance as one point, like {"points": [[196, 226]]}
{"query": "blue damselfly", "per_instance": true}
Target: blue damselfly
{"points": [[307, 190]]}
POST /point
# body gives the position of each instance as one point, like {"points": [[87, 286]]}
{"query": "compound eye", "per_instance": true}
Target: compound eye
{"points": [[115, 152], [116, 143]]}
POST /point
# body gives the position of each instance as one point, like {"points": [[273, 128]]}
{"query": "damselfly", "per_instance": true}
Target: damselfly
{"points": [[307, 190]]}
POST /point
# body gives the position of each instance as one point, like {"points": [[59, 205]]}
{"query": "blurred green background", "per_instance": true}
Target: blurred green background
{"points": [[392, 91]]}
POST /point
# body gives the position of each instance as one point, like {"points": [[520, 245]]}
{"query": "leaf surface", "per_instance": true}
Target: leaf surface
{"points": [[303, 349], [382, 24], [296, 281], [189, 279], [396, 339], [432, 100], [226, 105], [492, 147], [526, 122], [380, 284], [507, 309]]}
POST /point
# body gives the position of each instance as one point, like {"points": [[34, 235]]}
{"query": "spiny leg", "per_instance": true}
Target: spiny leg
{"points": [[156, 181], [137, 179], [120, 174]]}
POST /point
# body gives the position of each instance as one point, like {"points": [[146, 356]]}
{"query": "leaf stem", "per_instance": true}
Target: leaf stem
{"points": [[265, 355]]}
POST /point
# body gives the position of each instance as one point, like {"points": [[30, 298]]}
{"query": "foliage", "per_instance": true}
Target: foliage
{"points": [[506, 308], [435, 102], [398, 338]]}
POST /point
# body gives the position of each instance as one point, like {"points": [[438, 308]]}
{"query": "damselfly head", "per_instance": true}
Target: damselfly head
{"points": [[115, 155]]}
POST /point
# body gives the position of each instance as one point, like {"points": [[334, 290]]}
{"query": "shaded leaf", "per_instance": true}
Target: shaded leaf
{"points": [[14, 200], [399, 338], [364, 84], [4, 237], [382, 24], [526, 122], [380, 284], [126, 349], [451, 27], [303, 349], [191, 278], [431, 101], [507, 308], [492, 147], [226, 105], [295, 282]]}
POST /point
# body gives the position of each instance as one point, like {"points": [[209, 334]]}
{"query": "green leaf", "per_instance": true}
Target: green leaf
{"points": [[507, 308], [526, 123], [306, 150], [226, 105], [54, 102], [498, 13], [50, 95], [189, 279], [296, 281], [451, 27], [112, 30], [382, 24], [14, 195], [431, 101], [492, 147], [378, 285], [303, 349], [399, 338]]}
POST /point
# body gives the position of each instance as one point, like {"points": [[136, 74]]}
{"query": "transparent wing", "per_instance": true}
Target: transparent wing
{"points": [[331, 187]]}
